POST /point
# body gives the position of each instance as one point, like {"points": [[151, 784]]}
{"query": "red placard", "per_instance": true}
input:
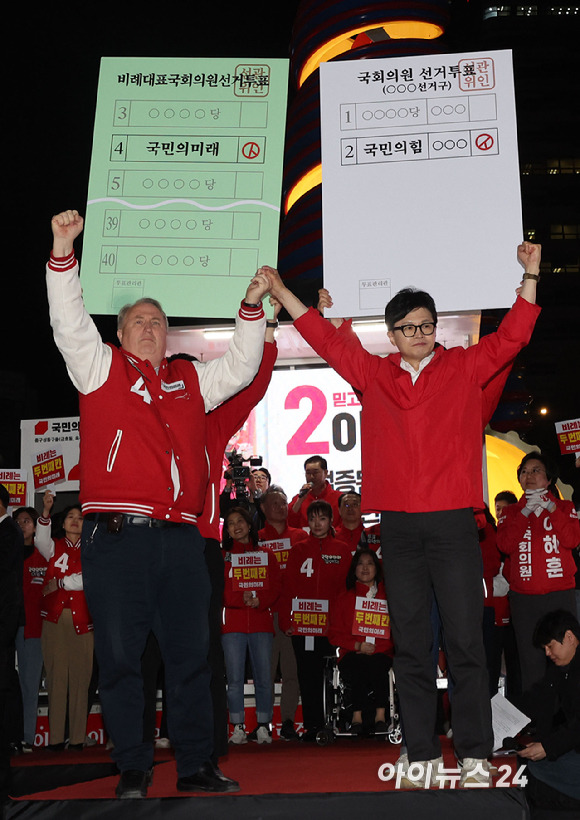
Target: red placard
{"points": [[310, 616], [249, 570], [371, 618]]}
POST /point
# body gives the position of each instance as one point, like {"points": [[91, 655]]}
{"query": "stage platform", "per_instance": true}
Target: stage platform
{"points": [[284, 780]]}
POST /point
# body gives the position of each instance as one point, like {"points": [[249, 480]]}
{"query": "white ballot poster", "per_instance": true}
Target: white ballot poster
{"points": [[420, 181], [185, 182]]}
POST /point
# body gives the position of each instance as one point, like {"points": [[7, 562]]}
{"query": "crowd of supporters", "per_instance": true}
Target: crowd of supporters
{"points": [[301, 580]]}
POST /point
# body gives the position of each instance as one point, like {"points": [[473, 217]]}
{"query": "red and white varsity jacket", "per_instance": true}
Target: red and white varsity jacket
{"points": [[221, 424], [143, 433], [64, 564]]}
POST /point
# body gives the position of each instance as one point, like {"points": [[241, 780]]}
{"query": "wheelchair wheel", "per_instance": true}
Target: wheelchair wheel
{"points": [[324, 737], [395, 736]]}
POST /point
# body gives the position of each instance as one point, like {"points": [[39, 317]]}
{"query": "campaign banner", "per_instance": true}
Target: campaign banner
{"points": [[306, 413], [310, 616], [15, 482], [281, 548], [48, 468], [371, 618], [249, 570], [60, 435], [568, 433]]}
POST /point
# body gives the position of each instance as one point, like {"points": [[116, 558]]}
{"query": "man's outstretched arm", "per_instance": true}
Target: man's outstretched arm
{"points": [[352, 362], [529, 256], [87, 359], [221, 378]]}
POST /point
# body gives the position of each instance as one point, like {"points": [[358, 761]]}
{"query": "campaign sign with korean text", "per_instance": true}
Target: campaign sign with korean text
{"points": [[568, 433], [59, 436], [15, 482], [249, 570], [371, 618], [310, 616], [281, 548], [185, 182], [306, 413], [48, 467], [420, 181]]}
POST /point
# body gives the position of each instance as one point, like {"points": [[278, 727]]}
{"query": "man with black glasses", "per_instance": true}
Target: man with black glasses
{"points": [[421, 461]]}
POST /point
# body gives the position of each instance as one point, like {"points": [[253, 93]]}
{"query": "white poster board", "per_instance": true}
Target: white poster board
{"points": [[60, 435], [420, 181]]}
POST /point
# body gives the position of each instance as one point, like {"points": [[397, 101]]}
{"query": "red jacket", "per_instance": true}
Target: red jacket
{"points": [[221, 424], [340, 633], [373, 536], [237, 617], [399, 418], [281, 543], [300, 519], [143, 433], [32, 582], [66, 561], [491, 559], [351, 537], [540, 547], [316, 569]]}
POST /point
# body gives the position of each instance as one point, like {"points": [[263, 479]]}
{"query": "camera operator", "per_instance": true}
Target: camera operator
{"points": [[249, 481]]}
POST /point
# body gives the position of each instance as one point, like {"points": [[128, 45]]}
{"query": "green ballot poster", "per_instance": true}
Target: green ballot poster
{"points": [[185, 182]]}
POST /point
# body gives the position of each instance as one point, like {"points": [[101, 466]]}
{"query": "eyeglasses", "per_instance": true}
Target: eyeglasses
{"points": [[426, 328], [533, 471]]}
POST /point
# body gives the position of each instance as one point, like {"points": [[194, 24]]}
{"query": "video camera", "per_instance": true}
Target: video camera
{"points": [[239, 471]]}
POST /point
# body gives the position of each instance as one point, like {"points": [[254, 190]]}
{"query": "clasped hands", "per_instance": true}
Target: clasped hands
{"points": [[538, 500]]}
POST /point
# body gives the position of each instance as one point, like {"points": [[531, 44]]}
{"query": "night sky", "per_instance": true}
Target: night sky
{"points": [[50, 90]]}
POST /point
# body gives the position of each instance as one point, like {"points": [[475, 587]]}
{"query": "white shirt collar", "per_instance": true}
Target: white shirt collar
{"points": [[422, 365]]}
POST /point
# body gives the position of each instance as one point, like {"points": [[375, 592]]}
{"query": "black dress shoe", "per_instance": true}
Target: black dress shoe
{"points": [[133, 783], [56, 747], [75, 747], [288, 732], [208, 778]]}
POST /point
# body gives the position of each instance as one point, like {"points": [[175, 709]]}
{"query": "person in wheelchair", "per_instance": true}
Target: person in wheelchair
{"points": [[360, 628]]}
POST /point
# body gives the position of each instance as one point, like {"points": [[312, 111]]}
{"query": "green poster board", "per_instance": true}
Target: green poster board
{"points": [[185, 182]]}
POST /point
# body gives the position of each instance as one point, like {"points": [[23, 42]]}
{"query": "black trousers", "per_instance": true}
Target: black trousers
{"points": [[365, 674], [426, 553], [310, 664], [152, 662]]}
